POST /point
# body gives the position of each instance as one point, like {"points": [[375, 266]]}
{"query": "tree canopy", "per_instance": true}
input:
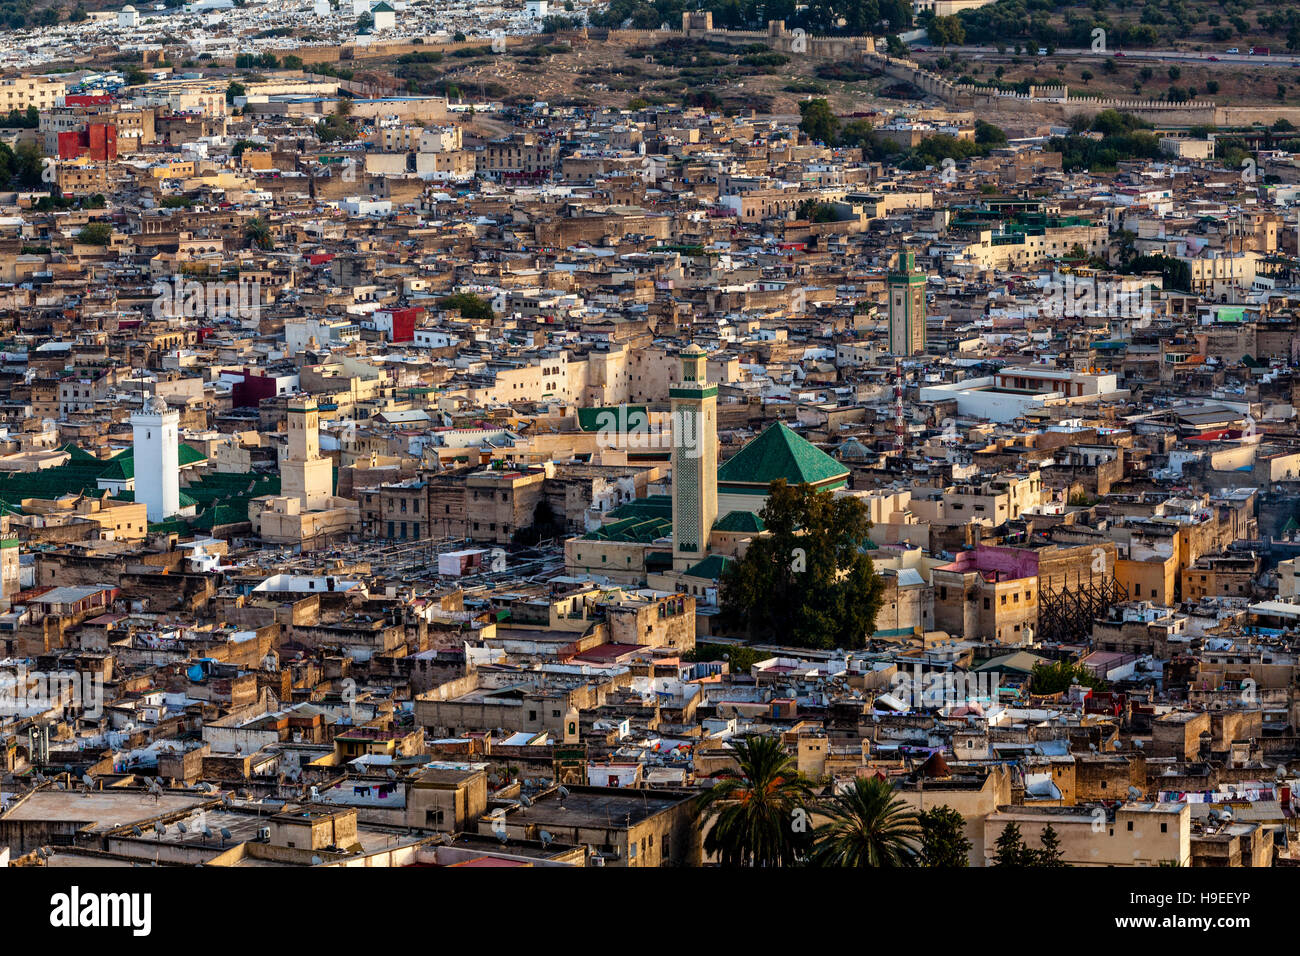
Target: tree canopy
{"points": [[809, 581], [467, 304]]}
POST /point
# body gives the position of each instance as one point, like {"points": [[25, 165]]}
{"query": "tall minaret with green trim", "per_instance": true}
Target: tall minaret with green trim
{"points": [[906, 306], [695, 459]]}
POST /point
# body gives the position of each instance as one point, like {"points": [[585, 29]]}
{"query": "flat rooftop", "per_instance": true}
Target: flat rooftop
{"points": [[105, 809]]}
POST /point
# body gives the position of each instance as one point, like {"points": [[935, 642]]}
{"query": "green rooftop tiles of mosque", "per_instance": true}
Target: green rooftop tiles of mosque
{"points": [[710, 568], [740, 521], [640, 520], [600, 418], [780, 453], [220, 497]]}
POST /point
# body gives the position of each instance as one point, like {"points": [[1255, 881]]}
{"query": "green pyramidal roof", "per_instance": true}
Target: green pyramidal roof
{"points": [[780, 453]]}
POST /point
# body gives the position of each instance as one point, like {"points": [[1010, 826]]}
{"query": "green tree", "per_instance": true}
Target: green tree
{"points": [[986, 134], [1010, 848], [467, 304], [868, 826], [95, 234], [759, 811], [946, 30], [1051, 853], [943, 838], [817, 121], [1057, 676], [234, 89], [257, 233], [809, 580], [28, 165]]}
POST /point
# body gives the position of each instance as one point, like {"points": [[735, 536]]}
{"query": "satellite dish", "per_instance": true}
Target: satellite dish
{"points": [[1134, 793], [88, 780], [181, 827], [225, 834], [159, 829], [392, 774], [316, 861], [525, 801], [546, 837], [562, 792], [137, 831]]}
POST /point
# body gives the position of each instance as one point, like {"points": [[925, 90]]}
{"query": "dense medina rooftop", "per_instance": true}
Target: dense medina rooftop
{"points": [[451, 456]]}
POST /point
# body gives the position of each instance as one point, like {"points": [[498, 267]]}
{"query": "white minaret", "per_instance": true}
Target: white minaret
{"points": [[157, 459]]}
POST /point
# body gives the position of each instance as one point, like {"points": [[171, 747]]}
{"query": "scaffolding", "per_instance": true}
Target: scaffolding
{"points": [[1065, 616]]}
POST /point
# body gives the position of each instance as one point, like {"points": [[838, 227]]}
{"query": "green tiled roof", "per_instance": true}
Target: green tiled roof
{"points": [[185, 501], [780, 453], [633, 416], [741, 521], [222, 514], [185, 455], [710, 568], [642, 519]]}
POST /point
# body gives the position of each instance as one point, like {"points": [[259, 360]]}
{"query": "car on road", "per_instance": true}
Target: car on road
{"points": [[1259, 51], [1213, 59], [1119, 53], [1042, 51], [1232, 50]]}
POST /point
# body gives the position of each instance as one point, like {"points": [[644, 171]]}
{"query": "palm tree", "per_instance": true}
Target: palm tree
{"points": [[258, 233], [868, 826], [759, 810]]}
